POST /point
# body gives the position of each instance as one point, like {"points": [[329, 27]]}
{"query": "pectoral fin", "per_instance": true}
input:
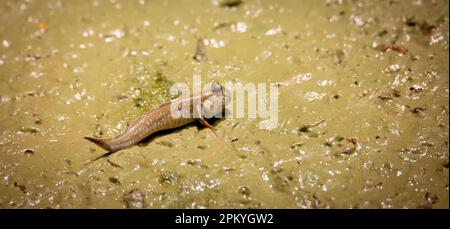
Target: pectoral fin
{"points": [[203, 120], [205, 123]]}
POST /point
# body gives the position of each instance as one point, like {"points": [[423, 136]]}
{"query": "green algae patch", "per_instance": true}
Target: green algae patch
{"points": [[151, 87]]}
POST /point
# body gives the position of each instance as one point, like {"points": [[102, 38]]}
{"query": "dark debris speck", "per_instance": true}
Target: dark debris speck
{"points": [[134, 199], [28, 152], [230, 3], [114, 180], [244, 190], [168, 178]]}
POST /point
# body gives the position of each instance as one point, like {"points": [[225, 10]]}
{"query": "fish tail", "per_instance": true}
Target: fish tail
{"points": [[104, 144]]}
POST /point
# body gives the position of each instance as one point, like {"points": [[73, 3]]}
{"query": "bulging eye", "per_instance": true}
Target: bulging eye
{"points": [[216, 88]]}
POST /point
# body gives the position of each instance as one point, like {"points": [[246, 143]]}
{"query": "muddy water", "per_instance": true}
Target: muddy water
{"points": [[74, 68]]}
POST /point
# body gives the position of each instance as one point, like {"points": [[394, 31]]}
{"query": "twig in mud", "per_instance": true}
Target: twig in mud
{"points": [[306, 128], [200, 53], [395, 48], [114, 164]]}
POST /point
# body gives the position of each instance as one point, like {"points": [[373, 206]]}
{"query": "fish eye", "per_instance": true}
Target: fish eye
{"points": [[216, 88]]}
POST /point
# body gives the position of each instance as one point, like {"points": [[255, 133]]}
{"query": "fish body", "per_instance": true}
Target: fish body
{"points": [[163, 118]]}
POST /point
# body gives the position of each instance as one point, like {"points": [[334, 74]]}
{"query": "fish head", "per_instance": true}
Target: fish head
{"points": [[215, 101]]}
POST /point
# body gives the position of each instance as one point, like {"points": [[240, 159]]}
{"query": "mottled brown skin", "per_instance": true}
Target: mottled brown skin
{"points": [[159, 119]]}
